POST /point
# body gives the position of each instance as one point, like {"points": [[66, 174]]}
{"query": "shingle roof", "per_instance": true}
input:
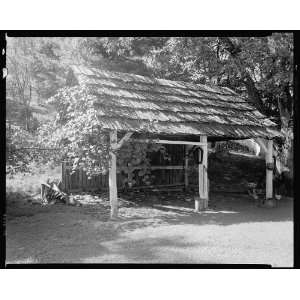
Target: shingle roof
{"points": [[135, 103]]}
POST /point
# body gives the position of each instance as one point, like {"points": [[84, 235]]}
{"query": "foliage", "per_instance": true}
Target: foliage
{"points": [[260, 68], [24, 154], [37, 68], [17, 157], [133, 157], [23, 184], [77, 132]]}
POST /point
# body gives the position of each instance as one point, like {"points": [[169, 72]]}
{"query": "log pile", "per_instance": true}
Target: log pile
{"points": [[52, 194]]}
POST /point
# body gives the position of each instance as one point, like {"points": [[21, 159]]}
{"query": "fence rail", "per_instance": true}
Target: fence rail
{"points": [[162, 175]]}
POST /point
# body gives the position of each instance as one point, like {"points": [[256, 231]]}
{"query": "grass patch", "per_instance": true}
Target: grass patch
{"points": [[21, 186]]}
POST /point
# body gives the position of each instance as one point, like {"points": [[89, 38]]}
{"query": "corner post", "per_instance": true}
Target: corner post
{"points": [[113, 192], [269, 171], [186, 165], [202, 202]]}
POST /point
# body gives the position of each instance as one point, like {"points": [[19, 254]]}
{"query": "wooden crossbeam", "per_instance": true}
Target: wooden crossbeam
{"points": [[159, 141], [125, 138]]}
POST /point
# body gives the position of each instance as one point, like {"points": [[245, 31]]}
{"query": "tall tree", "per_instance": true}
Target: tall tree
{"points": [[259, 68]]}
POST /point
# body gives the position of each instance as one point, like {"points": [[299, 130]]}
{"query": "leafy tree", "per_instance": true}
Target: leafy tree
{"points": [[259, 68], [37, 68], [77, 131]]}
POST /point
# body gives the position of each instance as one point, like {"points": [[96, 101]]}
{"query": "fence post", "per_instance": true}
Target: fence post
{"points": [[186, 165], [81, 179], [63, 175]]}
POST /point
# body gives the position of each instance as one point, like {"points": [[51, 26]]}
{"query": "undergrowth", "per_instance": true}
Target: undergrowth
{"points": [[22, 185]]}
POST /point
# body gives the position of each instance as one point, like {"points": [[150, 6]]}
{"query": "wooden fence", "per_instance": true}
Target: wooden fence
{"points": [[165, 172], [162, 175]]}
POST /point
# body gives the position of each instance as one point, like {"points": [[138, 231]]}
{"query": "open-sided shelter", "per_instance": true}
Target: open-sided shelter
{"points": [[172, 112]]}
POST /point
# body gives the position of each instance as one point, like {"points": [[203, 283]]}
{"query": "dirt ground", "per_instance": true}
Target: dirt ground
{"points": [[233, 230]]}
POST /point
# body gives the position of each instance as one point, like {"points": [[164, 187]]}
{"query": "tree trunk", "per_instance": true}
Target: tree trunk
{"points": [[234, 50], [253, 93]]}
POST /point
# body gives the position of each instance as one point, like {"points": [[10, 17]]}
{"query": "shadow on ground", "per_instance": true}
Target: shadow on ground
{"points": [[223, 210], [159, 231]]}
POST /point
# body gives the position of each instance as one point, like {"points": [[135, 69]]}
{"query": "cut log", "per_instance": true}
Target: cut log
{"points": [[51, 193]]}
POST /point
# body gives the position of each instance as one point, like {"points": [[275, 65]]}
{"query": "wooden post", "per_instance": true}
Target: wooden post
{"points": [[205, 177], [202, 201], [269, 171], [81, 187], [113, 192], [63, 176], [186, 165]]}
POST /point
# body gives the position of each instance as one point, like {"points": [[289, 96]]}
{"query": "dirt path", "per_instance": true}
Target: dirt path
{"points": [[233, 231]]}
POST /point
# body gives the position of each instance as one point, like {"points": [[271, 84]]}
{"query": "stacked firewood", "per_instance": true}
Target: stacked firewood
{"points": [[51, 194]]}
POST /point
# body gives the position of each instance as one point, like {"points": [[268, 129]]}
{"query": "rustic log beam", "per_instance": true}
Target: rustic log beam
{"points": [[205, 174], [201, 202], [113, 192], [125, 138], [269, 170], [178, 167], [158, 141]]}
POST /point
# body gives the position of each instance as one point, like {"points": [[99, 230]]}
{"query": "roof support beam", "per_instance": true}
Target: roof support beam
{"points": [[186, 166], [125, 138], [269, 170], [201, 202], [158, 141], [113, 191]]}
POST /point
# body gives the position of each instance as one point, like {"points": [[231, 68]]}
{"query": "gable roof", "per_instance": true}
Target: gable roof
{"points": [[134, 103]]}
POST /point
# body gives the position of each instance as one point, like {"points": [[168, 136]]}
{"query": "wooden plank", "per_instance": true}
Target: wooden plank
{"points": [[84, 180], [125, 138], [167, 168], [158, 141], [74, 190], [269, 172], [113, 191], [80, 183], [67, 180], [157, 186], [186, 166]]}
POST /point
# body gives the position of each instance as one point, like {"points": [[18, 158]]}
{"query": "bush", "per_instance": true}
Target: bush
{"points": [[22, 184]]}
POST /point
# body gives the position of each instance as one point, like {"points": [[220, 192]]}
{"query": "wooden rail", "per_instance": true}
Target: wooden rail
{"points": [[79, 181]]}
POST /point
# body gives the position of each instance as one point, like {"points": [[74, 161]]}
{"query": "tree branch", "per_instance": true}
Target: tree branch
{"points": [[234, 50]]}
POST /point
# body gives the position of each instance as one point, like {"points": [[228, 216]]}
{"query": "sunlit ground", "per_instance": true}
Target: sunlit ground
{"points": [[234, 230]]}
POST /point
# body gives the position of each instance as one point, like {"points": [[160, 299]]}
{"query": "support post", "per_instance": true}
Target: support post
{"points": [[186, 165], [113, 192], [269, 170], [201, 202]]}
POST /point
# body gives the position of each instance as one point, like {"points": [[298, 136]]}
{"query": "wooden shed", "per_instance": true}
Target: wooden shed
{"points": [[172, 112]]}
